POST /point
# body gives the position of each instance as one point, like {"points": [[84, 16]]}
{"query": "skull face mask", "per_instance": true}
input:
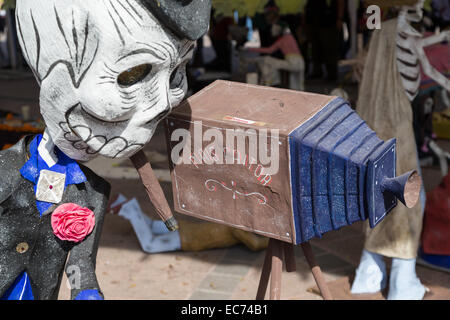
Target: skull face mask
{"points": [[109, 71], [413, 13]]}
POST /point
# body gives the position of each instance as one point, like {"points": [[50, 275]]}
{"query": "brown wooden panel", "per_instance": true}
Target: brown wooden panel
{"points": [[238, 195], [266, 106]]}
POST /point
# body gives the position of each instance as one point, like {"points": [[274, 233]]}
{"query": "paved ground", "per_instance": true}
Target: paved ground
{"points": [[126, 272]]}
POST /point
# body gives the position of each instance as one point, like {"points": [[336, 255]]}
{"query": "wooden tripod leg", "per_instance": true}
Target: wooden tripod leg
{"points": [[265, 274], [289, 257], [317, 273], [277, 269], [273, 268]]}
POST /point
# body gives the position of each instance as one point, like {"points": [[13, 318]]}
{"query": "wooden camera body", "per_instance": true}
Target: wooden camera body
{"points": [[328, 169]]}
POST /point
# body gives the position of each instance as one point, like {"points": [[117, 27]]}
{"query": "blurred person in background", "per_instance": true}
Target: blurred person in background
{"points": [[2, 20], [267, 26], [441, 12], [302, 39], [221, 42], [293, 60], [324, 21]]}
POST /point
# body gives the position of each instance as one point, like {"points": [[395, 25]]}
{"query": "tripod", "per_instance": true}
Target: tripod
{"points": [[273, 268]]}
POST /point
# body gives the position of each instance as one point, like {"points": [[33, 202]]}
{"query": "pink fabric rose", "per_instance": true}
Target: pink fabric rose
{"points": [[70, 222]]}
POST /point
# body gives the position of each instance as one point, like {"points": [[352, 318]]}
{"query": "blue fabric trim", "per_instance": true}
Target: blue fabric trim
{"points": [[91, 294], [36, 164], [20, 290], [437, 260]]}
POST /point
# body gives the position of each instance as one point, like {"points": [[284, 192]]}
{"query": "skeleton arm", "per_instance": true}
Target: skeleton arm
{"points": [[428, 69], [438, 38]]}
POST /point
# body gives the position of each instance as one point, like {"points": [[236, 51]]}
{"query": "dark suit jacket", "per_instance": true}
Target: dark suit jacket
{"points": [[46, 256]]}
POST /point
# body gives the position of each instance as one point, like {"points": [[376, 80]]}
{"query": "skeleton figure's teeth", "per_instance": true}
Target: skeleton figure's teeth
{"points": [[65, 127], [114, 146], [80, 145], [128, 151], [72, 137], [83, 132], [95, 144]]}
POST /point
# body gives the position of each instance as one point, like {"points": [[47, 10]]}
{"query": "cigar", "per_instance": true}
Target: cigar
{"points": [[154, 190]]}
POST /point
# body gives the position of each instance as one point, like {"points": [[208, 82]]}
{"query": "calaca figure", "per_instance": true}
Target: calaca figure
{"points": [[109, 71], [394, 63]]}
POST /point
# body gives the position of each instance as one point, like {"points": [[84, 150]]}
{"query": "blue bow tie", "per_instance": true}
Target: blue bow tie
{"points": [[65, 165]]}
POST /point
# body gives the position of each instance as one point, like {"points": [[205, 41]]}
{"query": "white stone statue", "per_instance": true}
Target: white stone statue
{"points": [[109, 71]]}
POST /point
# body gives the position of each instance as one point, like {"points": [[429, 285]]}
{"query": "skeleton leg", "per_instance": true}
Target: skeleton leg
{"points": [[404, 284], [371, 274]]}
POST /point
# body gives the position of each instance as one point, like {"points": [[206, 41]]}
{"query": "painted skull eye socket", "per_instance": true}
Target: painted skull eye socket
{"points": [[134, 75], [174, 74], [176, 78]]}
